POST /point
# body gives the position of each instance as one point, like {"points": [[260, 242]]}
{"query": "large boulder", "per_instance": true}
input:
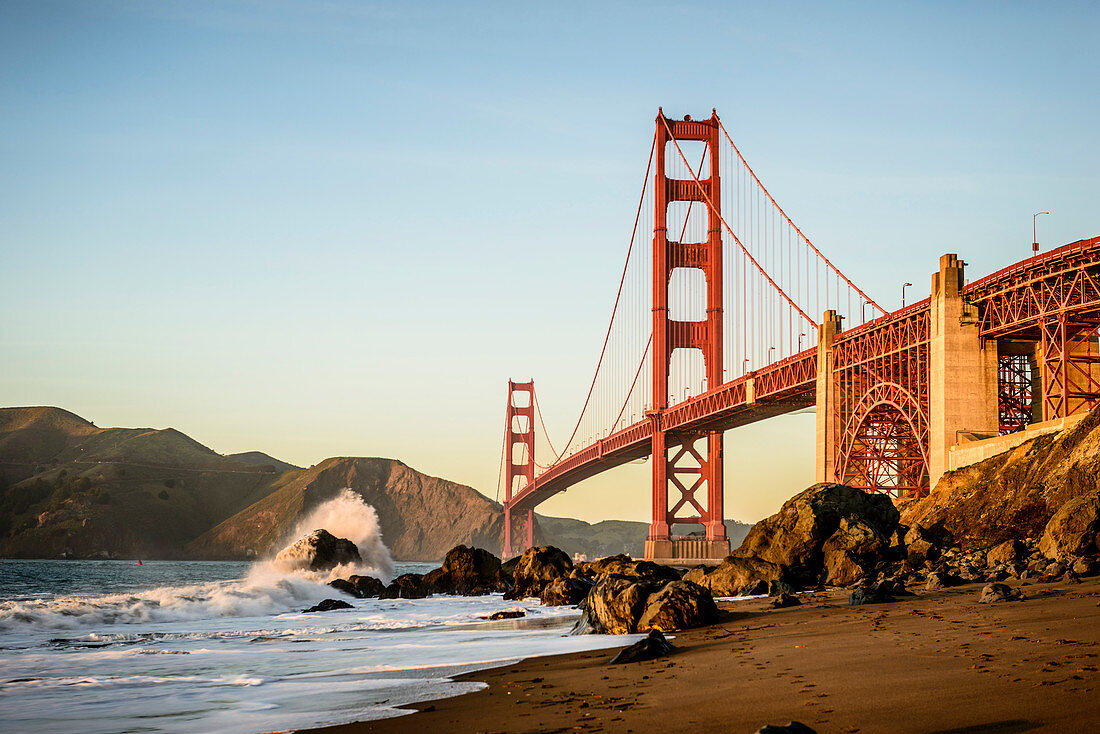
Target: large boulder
{"points": [[1074, 528], [318, 551], [925, 544], [624, 565], [467, 572], [361, 587], [406, 586], [565, 591], [795, 537], [737, 575], [679, 605], [614, 606], [536, 568], [1008, 553], [852, 551]]}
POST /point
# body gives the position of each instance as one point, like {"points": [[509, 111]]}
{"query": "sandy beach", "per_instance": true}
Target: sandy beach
{"points": [[936, 662]]}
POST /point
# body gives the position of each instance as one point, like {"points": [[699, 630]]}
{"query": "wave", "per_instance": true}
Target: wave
{"points": [[268, 588]]}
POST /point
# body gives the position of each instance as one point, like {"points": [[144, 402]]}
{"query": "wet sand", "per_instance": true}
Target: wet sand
{"points": [[938, 662]]}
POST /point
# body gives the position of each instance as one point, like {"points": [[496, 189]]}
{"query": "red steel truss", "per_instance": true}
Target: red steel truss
{"points": [[880, 375], [1014, 396], [1053, 300]]}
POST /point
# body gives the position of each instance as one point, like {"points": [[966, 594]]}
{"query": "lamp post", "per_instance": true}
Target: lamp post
{"points": [[863, 311], [903, 287], [1034, 238], [770, 358]]}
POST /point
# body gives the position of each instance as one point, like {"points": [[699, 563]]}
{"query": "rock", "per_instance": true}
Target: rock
{"points": [[536, 568], [778, 588], [368, 587], [1085, 567], [996, 574], [924, 544], [1008, 552], [794, 538], [467, 572], [613, 606], [737, 575], [653, 646], [1073, 529], [785, 600], [318, 551], [940, 580], [345, 586], [565, 592], [998, 592], [852, 551], [874, 594], [329, 605], [624, 565], [794, 727], [678, 605], [1054, 569], [406, 586], [508, 614]]}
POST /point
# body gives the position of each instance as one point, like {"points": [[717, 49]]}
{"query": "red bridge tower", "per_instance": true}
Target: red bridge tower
{"points": [[682, 469]]}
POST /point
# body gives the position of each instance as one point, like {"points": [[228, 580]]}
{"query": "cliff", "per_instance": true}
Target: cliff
{"points": [[1014, 494]]}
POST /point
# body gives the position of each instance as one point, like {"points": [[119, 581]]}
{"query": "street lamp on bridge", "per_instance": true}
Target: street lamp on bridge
{"points": [[903, 287], [1034, 238]]}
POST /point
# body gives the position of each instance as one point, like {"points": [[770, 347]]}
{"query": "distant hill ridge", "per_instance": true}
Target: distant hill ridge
{"points": [[69, 488]]}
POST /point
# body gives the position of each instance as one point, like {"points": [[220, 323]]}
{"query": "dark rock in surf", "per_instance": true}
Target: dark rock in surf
{"points": [[406, 586], [318, 551], [329, 605], [653, 646], [467, 572]]}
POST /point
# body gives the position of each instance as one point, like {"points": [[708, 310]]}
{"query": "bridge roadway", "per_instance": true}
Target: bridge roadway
{"points": [[790, 384]]}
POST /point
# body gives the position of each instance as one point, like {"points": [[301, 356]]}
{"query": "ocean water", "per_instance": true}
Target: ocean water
{"points": [[111, 646], [170, 646]]}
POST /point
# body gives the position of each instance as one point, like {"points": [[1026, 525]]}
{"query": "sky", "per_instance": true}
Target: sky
{"points": [[338, 228]]}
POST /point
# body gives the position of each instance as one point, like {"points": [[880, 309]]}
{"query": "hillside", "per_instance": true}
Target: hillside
{"points": [[421, 517], [1014, 494], [70, 488]]}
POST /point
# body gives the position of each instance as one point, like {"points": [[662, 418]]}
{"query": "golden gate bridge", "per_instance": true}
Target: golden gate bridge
{"points": [[727, 314]]}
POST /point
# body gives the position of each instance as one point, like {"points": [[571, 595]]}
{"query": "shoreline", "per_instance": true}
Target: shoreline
{"points": [[937, 662]]}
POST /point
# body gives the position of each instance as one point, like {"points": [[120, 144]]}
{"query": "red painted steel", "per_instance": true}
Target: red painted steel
{"points": [[519, 427], [1045, 310], [704, 466]]}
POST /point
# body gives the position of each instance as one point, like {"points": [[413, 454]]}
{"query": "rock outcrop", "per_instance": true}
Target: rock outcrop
{"points": [[676, 606], [1073, 530], [828, 531], [318, 551], [737, 575], [536, 569], [467, 572], [1015, 494], [361, 587], [406, 586]]}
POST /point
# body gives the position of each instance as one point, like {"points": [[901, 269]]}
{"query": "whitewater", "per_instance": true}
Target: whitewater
{"points": [[173, 646]]}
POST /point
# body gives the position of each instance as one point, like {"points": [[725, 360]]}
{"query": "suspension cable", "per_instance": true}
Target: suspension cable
{"points": [[710, 202], [630, 392], [790, 222], [615, 308]]}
